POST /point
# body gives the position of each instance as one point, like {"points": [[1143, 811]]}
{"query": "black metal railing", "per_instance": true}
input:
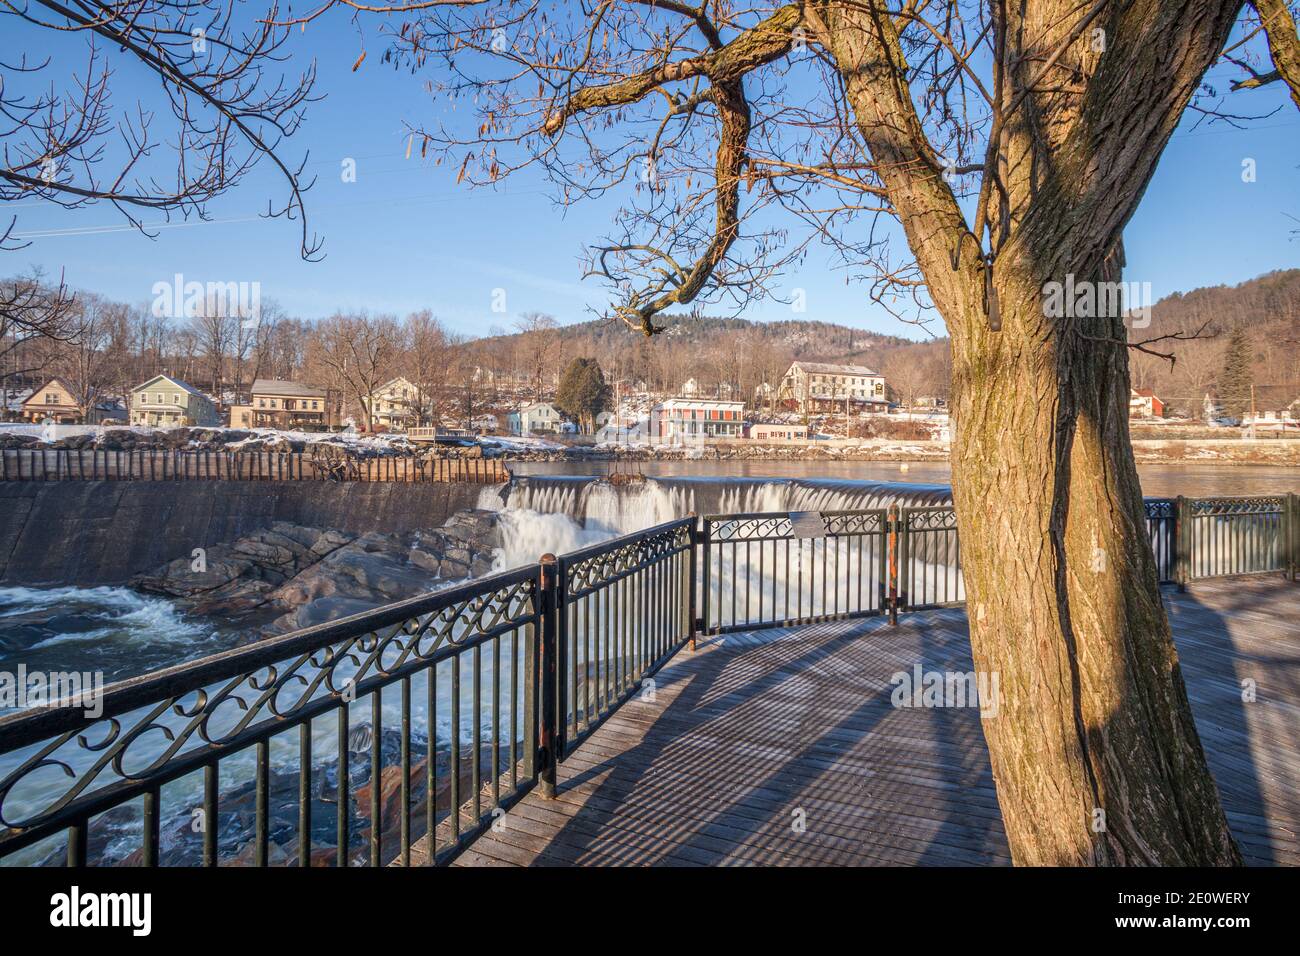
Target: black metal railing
{"points": [[780, 569], [1235, 535], [398, 735], [622, 609], [360, 741], [776, 569]]}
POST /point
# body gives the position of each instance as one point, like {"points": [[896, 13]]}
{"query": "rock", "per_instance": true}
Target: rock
{"points": [[291, 576], [429, 561]]}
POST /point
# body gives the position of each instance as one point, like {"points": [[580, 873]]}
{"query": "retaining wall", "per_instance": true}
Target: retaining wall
{"points": [[102, 532]]}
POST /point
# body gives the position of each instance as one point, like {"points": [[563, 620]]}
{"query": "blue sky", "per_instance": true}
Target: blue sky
{"points": [[405, 237]]}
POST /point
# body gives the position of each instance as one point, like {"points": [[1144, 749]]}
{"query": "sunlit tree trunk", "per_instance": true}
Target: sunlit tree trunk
{"points": [[1094, 752], [1095, 756]]}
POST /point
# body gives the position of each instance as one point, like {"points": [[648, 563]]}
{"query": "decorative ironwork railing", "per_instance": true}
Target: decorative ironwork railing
{"points": [[398, 735], [359, 741], [779, 569], [1236, 535], [622, 608]]}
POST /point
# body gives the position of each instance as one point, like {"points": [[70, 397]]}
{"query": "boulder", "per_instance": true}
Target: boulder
{"points": [[291, 576]]}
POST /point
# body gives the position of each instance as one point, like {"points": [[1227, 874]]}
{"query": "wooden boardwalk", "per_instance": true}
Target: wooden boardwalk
{"points": [[754, 734]]}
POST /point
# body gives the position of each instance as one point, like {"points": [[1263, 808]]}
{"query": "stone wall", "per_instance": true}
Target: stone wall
{"points": [[102, 532]]}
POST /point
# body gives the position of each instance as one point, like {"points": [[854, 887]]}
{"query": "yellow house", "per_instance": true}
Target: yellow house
{"points": [[280, 404], [53, 401]]}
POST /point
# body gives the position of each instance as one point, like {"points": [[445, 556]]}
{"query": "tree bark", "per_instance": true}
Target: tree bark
{"points": [[1095, 755]]}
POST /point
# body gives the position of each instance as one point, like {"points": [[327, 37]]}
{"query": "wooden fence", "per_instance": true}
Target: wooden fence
{"points": [[153, 464]]}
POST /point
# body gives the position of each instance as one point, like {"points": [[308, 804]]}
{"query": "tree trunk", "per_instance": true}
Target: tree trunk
{"points": [[1095, 756]]}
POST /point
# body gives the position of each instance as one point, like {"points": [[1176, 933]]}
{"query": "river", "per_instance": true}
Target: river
{"points": [[1158, 480]]}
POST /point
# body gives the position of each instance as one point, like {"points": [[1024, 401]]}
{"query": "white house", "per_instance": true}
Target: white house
{"points": [[393, 405], [537, 417], [778, 431], [1144, 403]]}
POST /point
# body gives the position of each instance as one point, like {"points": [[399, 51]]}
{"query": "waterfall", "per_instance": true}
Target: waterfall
{"points": [[564, 513]]}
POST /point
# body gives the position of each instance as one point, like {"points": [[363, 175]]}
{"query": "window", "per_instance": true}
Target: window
{"points": [[261, 403], [51, 398]]}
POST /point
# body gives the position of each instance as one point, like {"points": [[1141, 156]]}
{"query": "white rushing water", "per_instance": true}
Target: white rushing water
{"points": [[748, 582]]}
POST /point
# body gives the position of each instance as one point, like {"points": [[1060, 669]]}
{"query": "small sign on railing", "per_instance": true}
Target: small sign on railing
{"points": [[807, 524]]}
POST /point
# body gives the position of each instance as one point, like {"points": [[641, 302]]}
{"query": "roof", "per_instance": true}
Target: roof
{"points": [[276, 386], [392, 382], [825, 368], [62, 384], [700, 401], [1146, 393], [175, 381]]}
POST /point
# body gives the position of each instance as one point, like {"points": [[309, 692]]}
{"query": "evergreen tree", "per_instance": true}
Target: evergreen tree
{"points": [[1236, 378], [583, 392]]}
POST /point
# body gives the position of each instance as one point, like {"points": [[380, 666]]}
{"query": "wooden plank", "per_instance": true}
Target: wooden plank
{"points": [[756, 727]]}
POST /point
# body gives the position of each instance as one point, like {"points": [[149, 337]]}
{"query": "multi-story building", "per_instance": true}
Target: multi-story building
{"points": [[394, 405], [275, 403], [52, 402], [817, 387], [167, 401], [692, 418]]}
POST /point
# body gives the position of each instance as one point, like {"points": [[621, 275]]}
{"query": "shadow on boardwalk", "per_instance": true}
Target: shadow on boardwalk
{"points": [[782, 748]]}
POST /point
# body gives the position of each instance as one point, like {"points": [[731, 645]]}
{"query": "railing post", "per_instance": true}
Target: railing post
{"points": [[891, 538], [705, 584], [1291, 534], [1182, 535], [692, 580], [546, 678]]}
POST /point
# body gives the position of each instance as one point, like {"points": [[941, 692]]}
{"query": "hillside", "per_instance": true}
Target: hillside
{"points": [[1267, 307], [721, 353], [737, 355]]}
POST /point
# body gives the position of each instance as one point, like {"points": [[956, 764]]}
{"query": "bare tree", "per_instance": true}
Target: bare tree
{"points": [[426, 363], [215, 332], [358, 353], [1050, 117], [539, 343], [215, 81], [34, 316], [87, 363]]}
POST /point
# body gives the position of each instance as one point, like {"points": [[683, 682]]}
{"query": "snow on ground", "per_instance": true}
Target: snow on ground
{"points": [[519, 443], [258, 436], [52, 433]]}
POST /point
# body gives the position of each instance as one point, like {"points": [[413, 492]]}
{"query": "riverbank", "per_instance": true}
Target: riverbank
{"points": [[1268, 451]]}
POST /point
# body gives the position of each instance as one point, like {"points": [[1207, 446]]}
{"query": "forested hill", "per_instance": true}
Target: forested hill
{"points": [[1266, 307], [717, 351]]}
